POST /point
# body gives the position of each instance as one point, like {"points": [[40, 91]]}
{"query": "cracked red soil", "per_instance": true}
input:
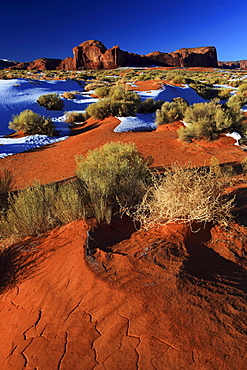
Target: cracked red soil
{"points": [[163, 299]]}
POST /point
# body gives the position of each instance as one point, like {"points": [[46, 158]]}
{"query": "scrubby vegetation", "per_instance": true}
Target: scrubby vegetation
{"points": [[51, 101], [171, 111], [74, 117], [112, 174], [40, 208], [119, 102], [69, 95], [150, 105], [207, 120], [185, 195], [32, 123]]}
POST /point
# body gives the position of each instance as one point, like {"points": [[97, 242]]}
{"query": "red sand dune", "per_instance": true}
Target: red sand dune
{"points": [[57, 162], [163, 299]]}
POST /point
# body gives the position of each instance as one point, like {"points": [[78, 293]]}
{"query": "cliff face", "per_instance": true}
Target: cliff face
{"points": [[242, 64], [44, 64], [93, 54]]}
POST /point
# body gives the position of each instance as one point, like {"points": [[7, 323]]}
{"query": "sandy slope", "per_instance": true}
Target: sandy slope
{"points": [[157, 300], [163, 145]]}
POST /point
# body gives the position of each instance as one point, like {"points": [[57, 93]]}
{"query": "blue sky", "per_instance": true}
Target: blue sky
{"points": [[51, 28]]}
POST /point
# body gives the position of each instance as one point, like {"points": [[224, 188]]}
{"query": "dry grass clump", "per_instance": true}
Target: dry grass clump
{"points": [[185, 195], [32, 123], [28, 212], [69, 95], [6, 181], [69, 202], [74, 117], [94, 85], [39, 208]]}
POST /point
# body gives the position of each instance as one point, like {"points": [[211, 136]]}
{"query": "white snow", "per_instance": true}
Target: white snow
{"points": [[12, 146], [168, 92], [142, 122], [235, 135], [17, 95]]}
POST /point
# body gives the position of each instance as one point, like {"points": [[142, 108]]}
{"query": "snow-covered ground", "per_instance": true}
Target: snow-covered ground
{"points": [[17, 95], [169, 92], [12, 146], [142, 122]]}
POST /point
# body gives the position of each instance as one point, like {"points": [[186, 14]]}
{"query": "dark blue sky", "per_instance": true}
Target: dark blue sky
{"points": [[51, 28]]}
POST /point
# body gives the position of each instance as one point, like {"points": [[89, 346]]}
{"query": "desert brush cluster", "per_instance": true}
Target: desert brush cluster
{"points": [[115, 177]]}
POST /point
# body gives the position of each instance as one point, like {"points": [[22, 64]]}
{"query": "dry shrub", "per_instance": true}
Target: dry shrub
{"points": [[6, 181], [244, 165], [68, 95], [185, 195], [74, 117]]}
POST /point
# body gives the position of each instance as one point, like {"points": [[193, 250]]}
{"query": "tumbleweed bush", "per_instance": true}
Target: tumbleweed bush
{"points": [[185, 195]]}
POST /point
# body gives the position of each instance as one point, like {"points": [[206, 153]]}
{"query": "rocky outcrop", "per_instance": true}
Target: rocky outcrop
{"points": [[93, 54], [5, 63], [242, 64], [44, 64], [19, 66]]}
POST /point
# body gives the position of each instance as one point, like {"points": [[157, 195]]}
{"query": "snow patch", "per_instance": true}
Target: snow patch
{"points": [[142, 122]]}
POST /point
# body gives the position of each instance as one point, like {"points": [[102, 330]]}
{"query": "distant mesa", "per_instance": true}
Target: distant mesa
{"points": [[242, 64], [93, 54]]}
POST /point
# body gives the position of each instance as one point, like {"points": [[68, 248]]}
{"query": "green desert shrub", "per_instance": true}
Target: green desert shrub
{"points": [[29, 212], [74, 117], [185, 195], [171, 111], [207, 92], [237, 101], [51, 101], [102, 91], [224, 94], [69, 202], [150, 105], [243, 88], [113, 174], [120, 102], [207, 120], [94, 85], [32, 123]]}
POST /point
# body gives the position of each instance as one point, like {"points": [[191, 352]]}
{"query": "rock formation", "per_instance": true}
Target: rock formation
{"points": [[242, 64], [5, 63], [44, 64], [93, 54]]}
